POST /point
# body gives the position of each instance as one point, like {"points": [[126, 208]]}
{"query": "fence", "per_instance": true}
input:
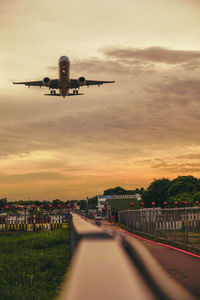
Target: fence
{"points": [[181, 225], [29, 223]]}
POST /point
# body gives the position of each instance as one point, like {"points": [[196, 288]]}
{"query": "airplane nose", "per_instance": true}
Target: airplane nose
{"points": [[64, 58]]}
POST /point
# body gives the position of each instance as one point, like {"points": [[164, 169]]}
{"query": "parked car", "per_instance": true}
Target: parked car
{"points": [[98, 216], [83, 213]]}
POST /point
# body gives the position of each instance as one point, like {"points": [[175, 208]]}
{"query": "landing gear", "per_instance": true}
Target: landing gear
{"points": [[53, 92], [75, 92]]}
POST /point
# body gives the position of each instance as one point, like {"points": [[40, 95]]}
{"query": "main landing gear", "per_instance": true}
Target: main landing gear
{"points": [[75, 92], [53, 92]]}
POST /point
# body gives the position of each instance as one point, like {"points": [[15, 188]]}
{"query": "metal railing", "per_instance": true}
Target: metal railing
{"points": [[181, 225], [106, 266]]}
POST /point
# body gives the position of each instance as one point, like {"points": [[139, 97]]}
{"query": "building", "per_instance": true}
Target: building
{"points": [[121, 202]]}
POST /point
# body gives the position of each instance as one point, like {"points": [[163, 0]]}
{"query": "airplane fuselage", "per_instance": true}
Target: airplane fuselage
{"points": [[64, 75]]}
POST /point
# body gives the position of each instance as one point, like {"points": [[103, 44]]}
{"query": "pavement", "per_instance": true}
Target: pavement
{"points": [[182, 267]]}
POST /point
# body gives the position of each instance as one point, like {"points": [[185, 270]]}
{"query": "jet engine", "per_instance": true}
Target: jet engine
{"points": [[81, 81], [46, 81]]}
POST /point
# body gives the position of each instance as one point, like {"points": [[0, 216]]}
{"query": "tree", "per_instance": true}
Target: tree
{"points": [[183, 188], [56, 202], [3, 202], [82, 204], [180, 198], [115, 191], [93, 200], [157, 192], [196, 197]]}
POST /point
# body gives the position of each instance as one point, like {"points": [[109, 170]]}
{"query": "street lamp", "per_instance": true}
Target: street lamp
{"points": [[186, 221], [25, 207], [176, 203], [50, 210], [59, 206]]}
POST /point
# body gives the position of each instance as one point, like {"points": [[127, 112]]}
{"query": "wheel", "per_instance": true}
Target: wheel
{"points": [[76, 92]]}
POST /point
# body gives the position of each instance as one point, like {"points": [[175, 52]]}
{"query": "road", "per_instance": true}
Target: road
{"points": [[183, 268]]}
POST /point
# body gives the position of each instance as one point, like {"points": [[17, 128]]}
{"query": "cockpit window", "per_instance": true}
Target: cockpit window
{"points": [[64, 58]]}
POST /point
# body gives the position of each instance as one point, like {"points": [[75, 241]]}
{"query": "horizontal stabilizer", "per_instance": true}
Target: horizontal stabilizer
{"points": [[52, 94], [71, 94]]}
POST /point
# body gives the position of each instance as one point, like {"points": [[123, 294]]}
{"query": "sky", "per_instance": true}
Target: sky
{"points": [[143, 127]]}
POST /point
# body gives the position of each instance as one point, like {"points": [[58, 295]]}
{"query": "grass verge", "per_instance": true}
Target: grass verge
{"points": [[33, 265]]}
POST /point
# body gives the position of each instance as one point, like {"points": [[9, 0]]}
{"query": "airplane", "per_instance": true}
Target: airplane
{"points": [[63, 83]]}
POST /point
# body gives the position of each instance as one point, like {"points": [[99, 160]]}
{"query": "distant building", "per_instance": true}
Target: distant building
{"points": [[134, 196], [101, 203]]}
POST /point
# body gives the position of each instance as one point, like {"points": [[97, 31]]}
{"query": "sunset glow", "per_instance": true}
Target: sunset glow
{"points": [[144, 126]]}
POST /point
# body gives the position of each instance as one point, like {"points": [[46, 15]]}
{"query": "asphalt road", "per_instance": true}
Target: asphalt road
{"points": [[183, 268]]}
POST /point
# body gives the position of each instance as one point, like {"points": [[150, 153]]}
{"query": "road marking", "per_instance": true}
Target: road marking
{"points": [[160, 244]]}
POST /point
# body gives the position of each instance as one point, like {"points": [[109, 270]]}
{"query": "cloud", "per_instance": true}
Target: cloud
{"points": [[193, 156], [31, 177], [152, 54], [183, 87], [99, 67], [125, 128], [122, 64], [178, 168], [170, 165], [138, 112]]}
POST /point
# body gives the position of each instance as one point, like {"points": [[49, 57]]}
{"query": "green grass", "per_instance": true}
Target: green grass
{"points": [[33, 265]]}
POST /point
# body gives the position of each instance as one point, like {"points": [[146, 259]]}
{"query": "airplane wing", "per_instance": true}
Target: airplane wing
{"points": [[74, 83], [53, 83]]}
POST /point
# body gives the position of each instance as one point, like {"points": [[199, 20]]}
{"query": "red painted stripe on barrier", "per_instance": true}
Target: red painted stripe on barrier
{"points": [[160, 244]]}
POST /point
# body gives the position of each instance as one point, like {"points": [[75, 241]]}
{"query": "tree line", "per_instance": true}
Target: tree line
{"points": [[163, 192], [179, 190], [45, 204], [160, 191]]}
